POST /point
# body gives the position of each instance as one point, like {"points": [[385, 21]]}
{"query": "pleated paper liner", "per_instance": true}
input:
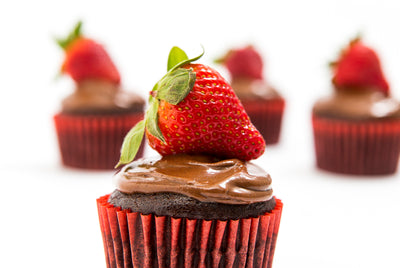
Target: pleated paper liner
{"points": [[132, 239], [266, 116], [359, 148], [93, 141]]}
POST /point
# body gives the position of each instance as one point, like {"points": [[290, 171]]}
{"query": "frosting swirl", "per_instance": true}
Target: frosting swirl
{"points": [[94, 95], [204, 178], [248, 89], [358, 104]]}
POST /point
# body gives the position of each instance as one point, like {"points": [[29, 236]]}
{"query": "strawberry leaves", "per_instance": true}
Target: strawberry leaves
{"points": [[73, 35], [176, 85], [152, 120], [172, 88], [131, 143], [176, 56]]}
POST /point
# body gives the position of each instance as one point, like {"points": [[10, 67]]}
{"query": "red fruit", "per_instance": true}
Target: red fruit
{"points": [[84, 59], [359, 66], [244, 62], [209, 120], [88, 59], [194, 110]]}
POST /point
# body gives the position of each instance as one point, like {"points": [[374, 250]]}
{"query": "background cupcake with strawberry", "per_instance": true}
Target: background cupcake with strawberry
{"points": [[357, 129], [202, 203], [263, 104], [95, 118]]}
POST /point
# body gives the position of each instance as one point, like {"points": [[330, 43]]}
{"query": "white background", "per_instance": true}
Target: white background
{"points": [[48, 213]]}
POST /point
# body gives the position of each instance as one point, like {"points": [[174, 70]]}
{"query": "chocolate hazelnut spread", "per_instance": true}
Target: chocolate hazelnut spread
{"points": [[204, 178], [357, 104], [250, 88], [99, 96]]}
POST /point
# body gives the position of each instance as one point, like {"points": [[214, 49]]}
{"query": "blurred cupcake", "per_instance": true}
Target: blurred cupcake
{"points": [[262, 102], [197, 205], [357, 128], [95, 118]]}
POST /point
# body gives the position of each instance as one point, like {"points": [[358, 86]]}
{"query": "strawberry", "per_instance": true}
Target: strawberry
{"points": [[243, 62], [359, 66], [85, 58], [194, 110]]}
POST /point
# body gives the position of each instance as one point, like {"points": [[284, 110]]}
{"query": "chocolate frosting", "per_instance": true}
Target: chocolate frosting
{"points": [[204, 178], [101, 97], [248, 89], [357, 104]]}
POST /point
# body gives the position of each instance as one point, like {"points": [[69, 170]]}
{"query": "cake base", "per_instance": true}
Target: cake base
{"points": [[357, 147], [93, 141], [132, 239]]}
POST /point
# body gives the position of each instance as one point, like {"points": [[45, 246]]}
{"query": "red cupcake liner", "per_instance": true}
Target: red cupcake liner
{"points": [[266, 116], [93, 141], [359, 148], [132, 239]]}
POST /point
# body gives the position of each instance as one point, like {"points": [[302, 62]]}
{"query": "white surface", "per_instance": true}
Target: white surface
{"points": [[49, 216]]}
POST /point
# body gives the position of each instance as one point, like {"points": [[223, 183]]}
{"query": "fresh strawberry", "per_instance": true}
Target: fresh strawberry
{"points": [[359, 66], [84, 58], [194, 110], [243, 62], [209, 120]]}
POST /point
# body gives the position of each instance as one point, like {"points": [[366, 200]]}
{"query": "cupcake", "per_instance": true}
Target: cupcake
{"points": [[357, 128], [262, 102], [95, 118], [202, 203]]}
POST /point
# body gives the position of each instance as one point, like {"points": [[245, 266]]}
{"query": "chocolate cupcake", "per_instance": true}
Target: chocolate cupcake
{"points": [[357, 129], [190, 210], [263, 103], [95, 118], [200, 204]]}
